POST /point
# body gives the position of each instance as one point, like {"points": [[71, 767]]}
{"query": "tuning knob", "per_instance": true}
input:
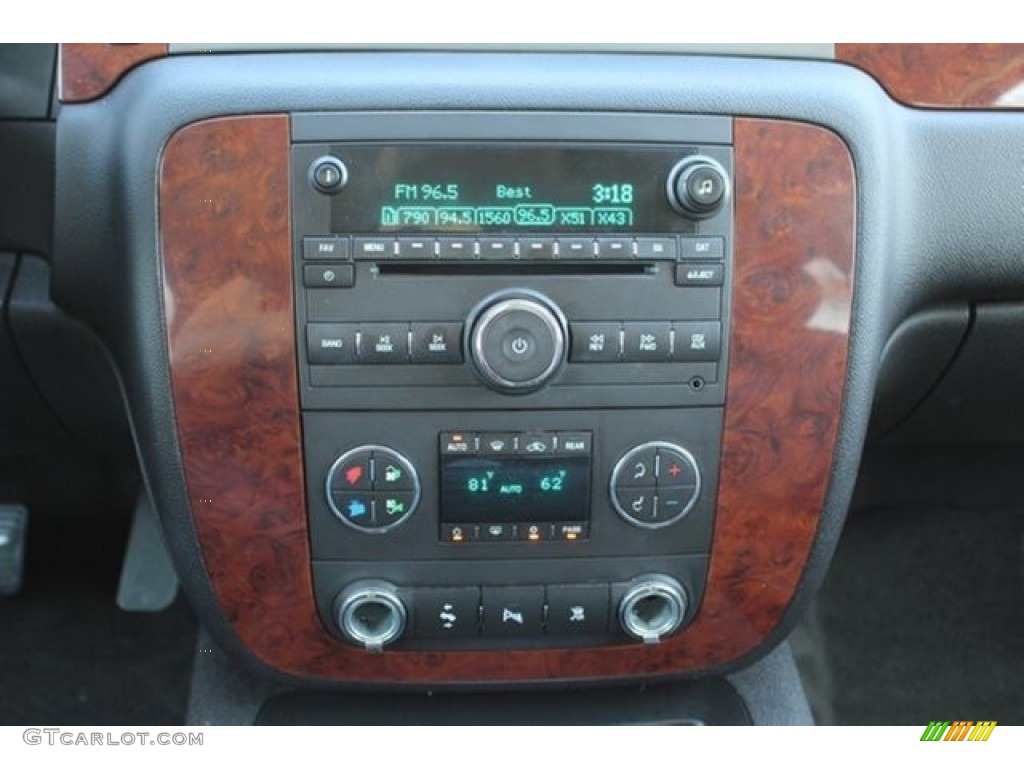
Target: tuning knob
{"points": [[517, 342], [697, 187]]}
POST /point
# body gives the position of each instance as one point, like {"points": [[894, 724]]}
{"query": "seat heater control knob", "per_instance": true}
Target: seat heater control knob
{"points": [[697, 187], [517, 342], [371, 614], [653, 607], [372, 488]]}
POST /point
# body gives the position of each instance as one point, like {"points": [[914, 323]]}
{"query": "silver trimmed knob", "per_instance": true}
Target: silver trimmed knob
{"points": [[518, 341], [653, 607], [371, 614]]}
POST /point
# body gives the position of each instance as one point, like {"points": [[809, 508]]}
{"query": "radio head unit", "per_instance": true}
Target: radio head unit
{"points": [[512, 375]]}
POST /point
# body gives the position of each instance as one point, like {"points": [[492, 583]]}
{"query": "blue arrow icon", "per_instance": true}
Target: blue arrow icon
{"points": [[356, 508]]}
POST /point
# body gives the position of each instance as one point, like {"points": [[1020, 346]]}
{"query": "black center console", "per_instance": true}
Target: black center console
{"points": [[554, 308]]}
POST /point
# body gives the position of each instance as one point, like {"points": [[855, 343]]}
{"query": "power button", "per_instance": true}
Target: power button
{"points": [[518, 342]]}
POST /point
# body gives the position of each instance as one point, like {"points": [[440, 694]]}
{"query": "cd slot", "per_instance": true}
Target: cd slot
{"points": [[515, 268]]}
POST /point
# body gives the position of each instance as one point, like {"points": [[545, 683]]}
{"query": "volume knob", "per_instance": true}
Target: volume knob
{"points": [[518, 341], [698, 186]]}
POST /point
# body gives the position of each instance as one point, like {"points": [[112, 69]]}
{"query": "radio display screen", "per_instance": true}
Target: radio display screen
{"points": [[474, 188], [515, 489]]}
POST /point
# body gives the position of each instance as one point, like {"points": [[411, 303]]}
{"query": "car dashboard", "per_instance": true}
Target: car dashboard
{"points": [[485, 372]]}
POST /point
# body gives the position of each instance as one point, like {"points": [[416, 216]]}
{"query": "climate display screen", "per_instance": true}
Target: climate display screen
{"points": [[488, 188], [514, 489]]}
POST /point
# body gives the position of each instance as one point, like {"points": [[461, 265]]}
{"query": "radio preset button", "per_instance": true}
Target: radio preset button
{"points": [[331, 343], [456, 248], [646, 342], [594, 342], [497, 248], [537, 248], [325, 248], [614, 248], [439, 343], [384, 343], [415, 248], [329, 275], [576, 248]]}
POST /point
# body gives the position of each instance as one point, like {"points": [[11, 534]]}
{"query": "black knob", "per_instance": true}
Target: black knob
{"points": [[697, 187], [518, 341], [328, 174]]}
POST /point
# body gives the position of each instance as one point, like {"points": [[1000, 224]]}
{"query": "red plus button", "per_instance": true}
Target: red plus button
{"points": [[674, 469]]}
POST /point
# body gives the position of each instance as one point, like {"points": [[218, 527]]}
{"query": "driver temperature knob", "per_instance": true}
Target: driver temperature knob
{"points": [[518, 341]]}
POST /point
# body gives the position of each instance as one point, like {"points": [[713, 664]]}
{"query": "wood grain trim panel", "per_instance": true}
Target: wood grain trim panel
{"points": [[89, 70], [225, 246], [951, 76]]}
